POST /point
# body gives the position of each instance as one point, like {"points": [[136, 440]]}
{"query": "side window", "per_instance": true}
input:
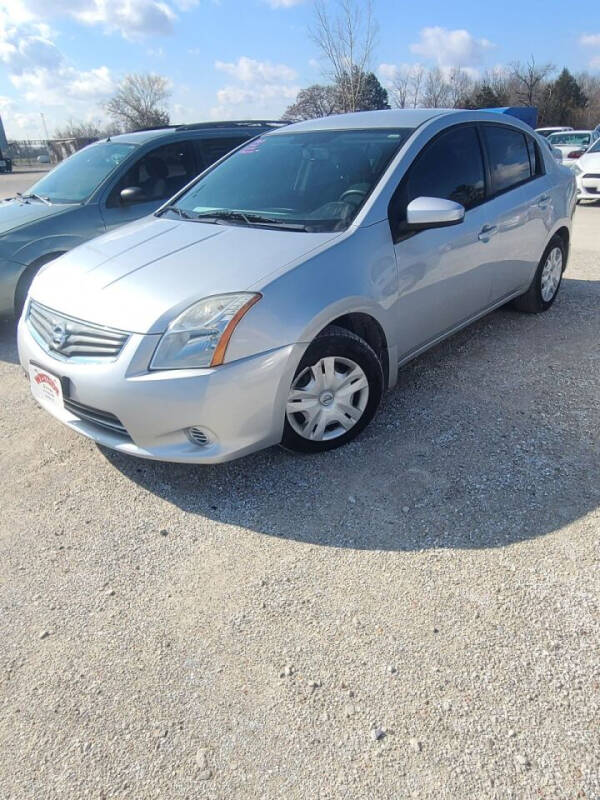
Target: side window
{"points": [[508, 156], [450, 167], [211, 150], [535, 159], [158, 173]]}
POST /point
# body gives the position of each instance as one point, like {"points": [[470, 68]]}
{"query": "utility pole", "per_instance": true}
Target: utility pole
{"points": [[44, 124]]}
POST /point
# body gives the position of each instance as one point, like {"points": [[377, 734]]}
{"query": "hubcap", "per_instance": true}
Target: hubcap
{"points": [[327, 399], [551, 274]]}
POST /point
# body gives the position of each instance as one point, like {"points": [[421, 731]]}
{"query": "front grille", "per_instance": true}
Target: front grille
{"points": [[101, 418], [591, 175], [69, 338]]}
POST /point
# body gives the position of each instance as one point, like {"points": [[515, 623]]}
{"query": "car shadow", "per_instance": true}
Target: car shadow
{"points": [[8, 341], [490, 438]]}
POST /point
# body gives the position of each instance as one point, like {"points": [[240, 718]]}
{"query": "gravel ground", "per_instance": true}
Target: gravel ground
{"points": [[413, 616]]}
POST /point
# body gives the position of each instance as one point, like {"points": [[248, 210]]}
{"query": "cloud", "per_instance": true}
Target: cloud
{"points": [[262, 89], [131, 18], [248, 70], [590, 40], [283, 3], [451, 48]]}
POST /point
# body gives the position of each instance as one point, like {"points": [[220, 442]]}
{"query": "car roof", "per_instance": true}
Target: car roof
{"points": [[394, 118], [577, 131], [197, 130]]}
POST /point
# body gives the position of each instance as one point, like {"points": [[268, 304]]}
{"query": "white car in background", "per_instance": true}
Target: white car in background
{"points": [[572, 144], [556, 129], [556, 152], [587, 174]]}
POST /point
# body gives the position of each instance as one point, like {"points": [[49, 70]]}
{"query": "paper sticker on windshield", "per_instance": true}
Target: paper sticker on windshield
{"points": [[253, 146]]}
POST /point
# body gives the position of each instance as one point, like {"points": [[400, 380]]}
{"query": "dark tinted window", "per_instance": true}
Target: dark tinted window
{"points": [[450, 167], [211, 150], [159, 173], [508, 155]]}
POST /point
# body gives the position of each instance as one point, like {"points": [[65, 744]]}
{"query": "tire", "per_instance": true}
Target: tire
{"points": [[26, 280], [546, 281], [339, 383]]}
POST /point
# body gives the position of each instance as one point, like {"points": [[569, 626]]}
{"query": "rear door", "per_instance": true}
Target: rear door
{"points": [[519, 209], [444, 273]]}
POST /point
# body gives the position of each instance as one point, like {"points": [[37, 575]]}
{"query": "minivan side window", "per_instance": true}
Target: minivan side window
{"points": [[210, 150], [450, 167], [508, 156]]}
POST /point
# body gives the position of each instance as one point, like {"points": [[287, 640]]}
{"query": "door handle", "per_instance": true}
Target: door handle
{"points": [[486, 233], [544, 201]]}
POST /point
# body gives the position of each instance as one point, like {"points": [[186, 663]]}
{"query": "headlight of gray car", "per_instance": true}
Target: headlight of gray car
{"points": [[199, 336]]}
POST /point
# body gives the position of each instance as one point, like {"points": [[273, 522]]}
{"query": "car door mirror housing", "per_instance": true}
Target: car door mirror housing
{"points": [[433, 212], [132, 194]]}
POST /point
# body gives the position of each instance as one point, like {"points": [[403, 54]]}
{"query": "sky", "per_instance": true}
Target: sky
{"points": [[247, 59]]}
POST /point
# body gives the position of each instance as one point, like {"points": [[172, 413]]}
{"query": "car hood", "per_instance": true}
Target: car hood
{"points": [[140, 276], [16, 213], [590, 161]]}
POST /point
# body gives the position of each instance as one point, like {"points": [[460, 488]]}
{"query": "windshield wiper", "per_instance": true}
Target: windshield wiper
{"points": [[35, 196], [248, 218], [179, 211]]}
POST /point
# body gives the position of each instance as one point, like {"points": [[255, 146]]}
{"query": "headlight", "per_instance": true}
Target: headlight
{"points": [[577, 169], [199, 336]]}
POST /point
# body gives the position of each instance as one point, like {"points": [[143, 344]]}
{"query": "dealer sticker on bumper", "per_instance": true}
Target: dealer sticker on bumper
{"points": [[45, 387]]}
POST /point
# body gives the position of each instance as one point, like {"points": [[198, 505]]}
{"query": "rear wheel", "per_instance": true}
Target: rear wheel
{"points": [[546, 281], [334, 394]]}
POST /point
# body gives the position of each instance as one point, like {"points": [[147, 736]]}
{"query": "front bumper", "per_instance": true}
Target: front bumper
{"points": [[588, 188], [241, 405]]}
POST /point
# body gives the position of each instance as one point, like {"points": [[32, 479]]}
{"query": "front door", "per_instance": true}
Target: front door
{"points": [[444, 273], [159, 174]]}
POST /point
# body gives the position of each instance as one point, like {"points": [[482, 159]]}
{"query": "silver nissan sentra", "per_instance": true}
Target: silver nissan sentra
{"points": [[273, 299]]}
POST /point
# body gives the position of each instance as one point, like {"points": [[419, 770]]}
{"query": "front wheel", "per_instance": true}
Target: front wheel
{"points": [[546, 281], [334, 394]]}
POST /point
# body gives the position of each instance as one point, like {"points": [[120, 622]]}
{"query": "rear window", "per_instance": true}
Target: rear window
{"points": [[508, 155], [575, 139]]}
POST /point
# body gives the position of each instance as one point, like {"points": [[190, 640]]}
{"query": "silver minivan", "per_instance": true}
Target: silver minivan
{"points": [[274, 298]]}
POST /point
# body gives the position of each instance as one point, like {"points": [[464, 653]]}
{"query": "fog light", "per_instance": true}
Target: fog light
{"points": [[199, 436]]}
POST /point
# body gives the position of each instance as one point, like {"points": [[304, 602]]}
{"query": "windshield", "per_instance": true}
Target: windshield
{"points": [[314, 181], [570, 139], [74, 179]]}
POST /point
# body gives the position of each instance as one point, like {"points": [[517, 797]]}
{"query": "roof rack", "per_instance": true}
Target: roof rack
{"points": [[256, 123]]}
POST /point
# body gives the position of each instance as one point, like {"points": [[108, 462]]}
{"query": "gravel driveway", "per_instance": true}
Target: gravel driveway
{"points": [[413, 616]]}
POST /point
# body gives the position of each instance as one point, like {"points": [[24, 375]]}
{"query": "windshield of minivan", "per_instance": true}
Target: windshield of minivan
{"points": [[313, 181], [569, 138], [74, 179]]}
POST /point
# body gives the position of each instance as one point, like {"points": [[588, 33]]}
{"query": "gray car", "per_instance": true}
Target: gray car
{"points": [[109, 183], [274, 299]]}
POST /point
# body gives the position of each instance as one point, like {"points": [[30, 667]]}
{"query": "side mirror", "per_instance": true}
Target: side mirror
{"points": [[133, 194], [433, 212]]}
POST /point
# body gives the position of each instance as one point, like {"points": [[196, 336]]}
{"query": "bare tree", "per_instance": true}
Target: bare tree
{"points": [[345, 39], [314, 101], [140, 101], [459, 86], [529, 79], [405, 90], [400, 88], [86, 130], [417, 77], [436, 93]]}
